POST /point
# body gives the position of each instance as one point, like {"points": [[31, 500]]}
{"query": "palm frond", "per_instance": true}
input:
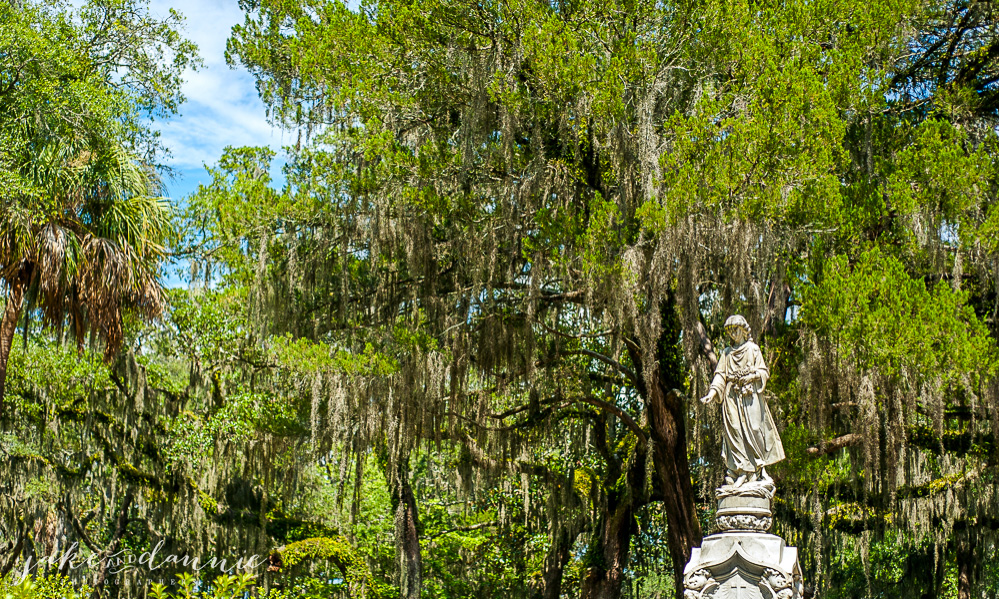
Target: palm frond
{"points": [[16, 237], [58, 261], [94, 235]]}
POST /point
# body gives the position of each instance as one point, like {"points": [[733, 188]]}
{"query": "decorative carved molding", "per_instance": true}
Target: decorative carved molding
{"points": [[699, 584], [743, 522], [782, 585]]}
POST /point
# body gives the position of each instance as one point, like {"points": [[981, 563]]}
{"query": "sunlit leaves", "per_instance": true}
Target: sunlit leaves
{"points": [[81, 221], [942, 178], [876, 314], [45, 374]]}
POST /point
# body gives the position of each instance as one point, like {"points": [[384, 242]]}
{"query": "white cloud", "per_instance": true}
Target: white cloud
{"points": [[222, 108]]}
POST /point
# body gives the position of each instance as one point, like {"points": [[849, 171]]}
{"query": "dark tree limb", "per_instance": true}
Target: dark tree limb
{"points": [[121, 525], [611, 542], [834, 445], [525, 407], [667, 413], [559, 333], [556, 559], [776, 307], [468, 528], [407, 528], [606, 360], [78, 526], [621, 415], [707, 348], [482, 460], [973, 68], [8, 564]]}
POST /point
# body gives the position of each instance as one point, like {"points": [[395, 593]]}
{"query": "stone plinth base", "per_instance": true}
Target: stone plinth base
{"points": [[742, 565], [743, 513]]}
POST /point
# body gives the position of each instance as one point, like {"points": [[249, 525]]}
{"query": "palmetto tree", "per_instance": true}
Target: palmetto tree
{"points": [[82, 246], [81, 228]]}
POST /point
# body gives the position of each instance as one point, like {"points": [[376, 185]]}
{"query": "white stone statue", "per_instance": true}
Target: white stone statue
{"points": [[750, 441], [741, 559]]}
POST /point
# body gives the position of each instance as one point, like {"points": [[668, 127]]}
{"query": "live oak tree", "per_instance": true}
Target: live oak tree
{"points": [[568, 197], [470, 322]]}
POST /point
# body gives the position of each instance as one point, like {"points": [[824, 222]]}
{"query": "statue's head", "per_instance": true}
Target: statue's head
{"points": [[737, 328]]}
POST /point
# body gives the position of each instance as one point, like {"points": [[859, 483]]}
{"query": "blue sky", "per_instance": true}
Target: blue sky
{"points": [[222, 106]]}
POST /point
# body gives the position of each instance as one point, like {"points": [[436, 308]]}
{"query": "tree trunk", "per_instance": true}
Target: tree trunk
{"points": [[603, 579], [963, 577], [667, 413], [564, 525], [669, 455], [554, 566], [967, 561], [8, 326], [609, 549], [8, 564], [121, 525], [407, 525]]}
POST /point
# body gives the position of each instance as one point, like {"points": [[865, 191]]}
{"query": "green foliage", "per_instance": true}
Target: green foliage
{"points": [[304, 356], [878, 315], [225, 586], [937, 173], [309, 556], [83, 231], [887, 568], [61, 374], [93, 71], [321, 548], [54, 586], [526, 183], [508, 231], [239, 207]]}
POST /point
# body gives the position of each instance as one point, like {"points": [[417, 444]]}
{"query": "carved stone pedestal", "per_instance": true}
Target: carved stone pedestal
{"points": [[742, 561], [743, 565]]}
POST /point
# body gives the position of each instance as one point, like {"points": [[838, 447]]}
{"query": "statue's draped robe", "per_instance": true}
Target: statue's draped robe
{"points": [[750, 440]]}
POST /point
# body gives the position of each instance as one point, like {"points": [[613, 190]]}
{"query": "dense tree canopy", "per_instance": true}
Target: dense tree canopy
{"points": [[81, 231], [570, 198], [453, 354]]}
